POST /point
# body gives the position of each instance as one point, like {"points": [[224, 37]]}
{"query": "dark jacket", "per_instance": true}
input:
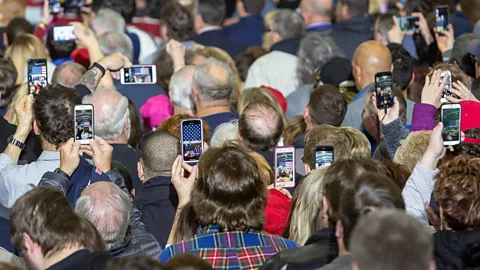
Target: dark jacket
{"points": [[33, 148], [457, 250], [157, 200], [248, 30], [137, 240], [319, 250], [290, 46], [351, 33], [218, 38], [129, 157], [5, 241], [139, 93], [83, 259]]}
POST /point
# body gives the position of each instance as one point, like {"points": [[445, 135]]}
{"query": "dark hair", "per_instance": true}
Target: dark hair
{"points": [[125, 7], [397, 172], [476, 88], [58, 50], [8, 77], [244, 60], [135, 127], [187, 261], [212, 11], [327, 106], [159, 152], [178, 21], [53, 108], [356, 7], [17, 27], [135, 263], [164, 64], [253, 7], [403, 65], [465, 148], [260, 126]]}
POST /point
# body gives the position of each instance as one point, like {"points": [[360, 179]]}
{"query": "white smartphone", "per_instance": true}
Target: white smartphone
{"points": [[448, 85], [285, 166], [63, 33], [451, 117], [139, 74], [84, 123], [191, 131]]}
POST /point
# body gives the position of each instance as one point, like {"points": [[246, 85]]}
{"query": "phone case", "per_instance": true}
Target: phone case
{"points": [[88, 131], [187, 132], [284, 174]]}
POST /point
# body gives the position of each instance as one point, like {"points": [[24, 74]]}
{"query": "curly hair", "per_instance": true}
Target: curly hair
{"points": [[397, 172], [53, 109], [457, 191], [172, 126], [465, 148], [412, 149]]}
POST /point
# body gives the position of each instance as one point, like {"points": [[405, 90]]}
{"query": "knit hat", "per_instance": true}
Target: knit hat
{"points": [[337, 72], [156, 110]]}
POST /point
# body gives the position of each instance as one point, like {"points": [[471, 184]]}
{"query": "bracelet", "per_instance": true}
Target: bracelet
{"points": [[100, 67]]}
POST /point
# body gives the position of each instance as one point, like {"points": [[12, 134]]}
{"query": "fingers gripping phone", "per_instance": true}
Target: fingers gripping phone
{"points": [[139, 74], [448, 85], [451, 119], [37, 75], [408, 23], [192, 139], [384, 90], [323, 156], [54, 6], [441, 19], [285, 166], [84, 123], [63, 33]]}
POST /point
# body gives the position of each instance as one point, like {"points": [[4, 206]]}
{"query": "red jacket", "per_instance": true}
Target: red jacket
{"points": [[276, 212]]}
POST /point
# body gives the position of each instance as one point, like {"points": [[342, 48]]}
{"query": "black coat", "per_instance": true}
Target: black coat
{"points": [[351, 33], [457, 250], [217, 38], [33, 148]]}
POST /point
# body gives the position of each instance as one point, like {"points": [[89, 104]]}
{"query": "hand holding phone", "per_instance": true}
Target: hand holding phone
{"points": [[139, 74], [84, 123], [324, 156], [451, 115], [285, 166], [408, 23], [192, 139], [384, 90], [37, 75]]}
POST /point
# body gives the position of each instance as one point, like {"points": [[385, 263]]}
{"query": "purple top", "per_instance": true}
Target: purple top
{"points": [[423, 117]]}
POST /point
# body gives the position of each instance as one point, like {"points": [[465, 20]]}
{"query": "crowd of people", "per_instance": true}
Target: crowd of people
{"points": [[258, 75]]}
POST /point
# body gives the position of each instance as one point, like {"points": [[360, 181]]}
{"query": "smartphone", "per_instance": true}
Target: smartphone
{"points": [[285, 166], [54, 6], [441, 19], [191, 131], [84, 123], [37, 75], [451, 119], [323, 156], [384, 90], [448, 85], [139, 74], [63, 33], [408, 23]]}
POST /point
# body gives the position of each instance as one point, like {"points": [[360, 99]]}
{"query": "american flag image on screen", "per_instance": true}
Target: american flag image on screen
{"points": [[192, 141], [38, 70], [192, 133]]}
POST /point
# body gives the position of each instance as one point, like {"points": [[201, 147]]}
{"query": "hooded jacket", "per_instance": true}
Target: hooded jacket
{"points": [[457, 250]]}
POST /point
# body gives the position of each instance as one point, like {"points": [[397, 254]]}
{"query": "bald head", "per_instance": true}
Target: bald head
{"points": [[68, 74], [213, 82], [369, 58], [159, 153], [314, 11], [260, 126]]}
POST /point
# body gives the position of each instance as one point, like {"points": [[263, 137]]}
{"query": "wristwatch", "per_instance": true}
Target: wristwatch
{"points": [[17, 143], [62, 173], [97, 65]]}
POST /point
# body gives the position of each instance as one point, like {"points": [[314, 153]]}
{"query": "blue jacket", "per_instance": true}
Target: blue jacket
{"points": [[351, 33], [248, 30], [218, 38], [320, 28]]}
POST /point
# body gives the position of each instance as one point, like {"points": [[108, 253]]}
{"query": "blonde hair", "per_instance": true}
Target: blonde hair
{"points": [[254, 94], [23, 48], [306, 206], [295, 127], [412, 149], [266, 173], [357, 143], [224, 134], [20, 92]]}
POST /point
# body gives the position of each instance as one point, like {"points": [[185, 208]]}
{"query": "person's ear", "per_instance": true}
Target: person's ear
{"points": [[355, 266], [307, 169], [432, 265], [339, 230], [164, 33], [36, 129], [391, 68], [133, 192], [141, 172], [276, 37], [241, 7], [412, 80], [325, 206], [5, 40], [30, 246], [239, 137], [194, 93]]}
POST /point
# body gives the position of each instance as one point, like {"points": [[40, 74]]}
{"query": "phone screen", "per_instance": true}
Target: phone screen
{"points": [[139, 75], [84, 123], [451, 124], [441, 18], [55, 6], [63, 33], [37, 75], [384, 90], [192, 140], [408, 23], [448, 85], [323, 156], [285, 168]]}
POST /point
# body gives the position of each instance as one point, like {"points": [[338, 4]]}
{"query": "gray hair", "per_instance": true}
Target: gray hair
{"points": [[224, 134], [109, 209], [315, 50], [109, 21], [111, 112], [288, 24], [180, 88], [113, 42], [213, 80], [68, 74]]}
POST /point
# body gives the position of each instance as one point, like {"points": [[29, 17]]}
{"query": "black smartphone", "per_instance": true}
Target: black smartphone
{"points": [[54, 6], [384, 90], [37, 75], [84, 123], [441, 19], [408, 23], [323, 156], [451, 115], [192, 139]]}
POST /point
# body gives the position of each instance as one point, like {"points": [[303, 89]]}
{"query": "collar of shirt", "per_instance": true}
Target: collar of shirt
{"points": [[317, 24], [362, 92], [49, 155], [208, 29]]}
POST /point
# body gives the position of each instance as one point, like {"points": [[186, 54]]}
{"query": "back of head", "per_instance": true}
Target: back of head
{"points": [[288, 24], [357, 143], [180, 88], [457, 73], [383, 24], [403, 65], [391, 239], [324, 135], [212, 11], [187, 261], [53, 109], [158, 154], [254, 94], [108, 208], [340, 176], [213, 81], [315, 50], [59, 49], [172, 126], [113, 42], [412, 149], [224, 134], [164, 64], [68, 74], [253, 7], [369, 58], [17, 27], [397, 172], [327, 106], [260, 127], [135, 263], [179, 22], [124, 7], [45, 215], [23, 48], [111, 113], [244, 60], [108, 20], [8, 77], [320, 8], [356, 7]]}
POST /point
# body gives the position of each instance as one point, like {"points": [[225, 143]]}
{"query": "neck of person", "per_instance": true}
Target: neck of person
{"points": [[320, 19], [214, 107], [367, 82], [61, 255], [207, 27], [46, 146], [177, 110], [342, 251], [244, 14], [120, 140]]}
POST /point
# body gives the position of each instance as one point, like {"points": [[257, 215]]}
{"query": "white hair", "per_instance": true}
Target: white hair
{"points": [[180, 88], [224, 133], [109, 21], [113, 42], [109, 209]]}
